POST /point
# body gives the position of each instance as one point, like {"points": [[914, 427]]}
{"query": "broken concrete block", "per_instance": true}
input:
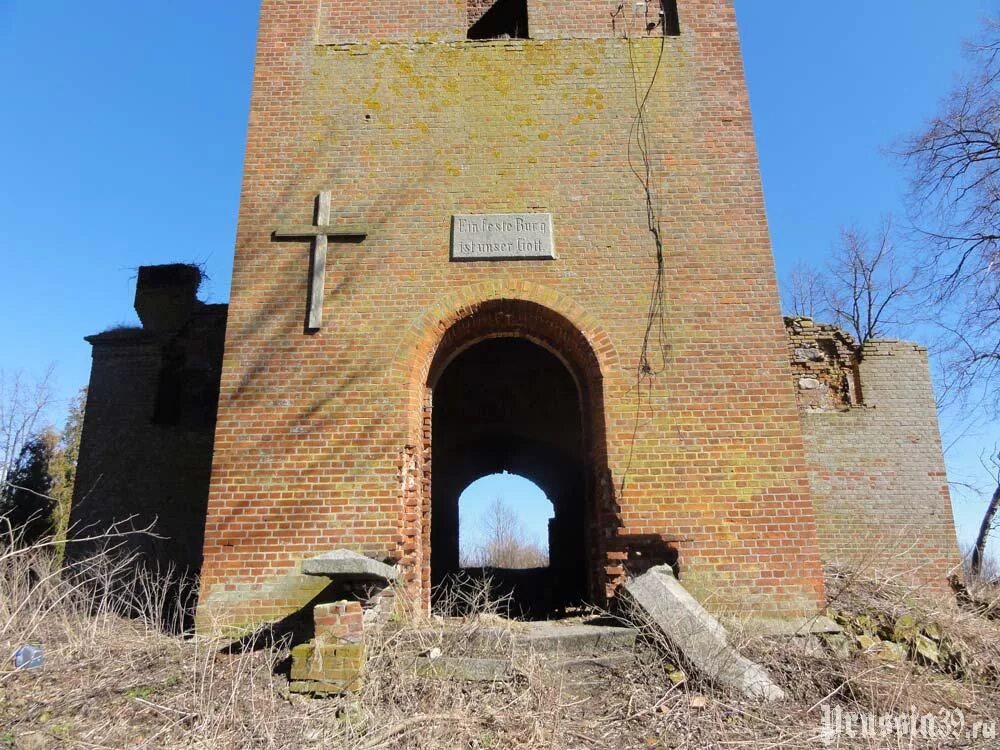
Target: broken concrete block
{"points": [[698, 635], [343, 564]]}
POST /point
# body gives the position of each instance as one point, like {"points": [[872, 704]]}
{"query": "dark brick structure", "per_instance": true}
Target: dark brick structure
{"points": [[663, 427], [146, 450]]}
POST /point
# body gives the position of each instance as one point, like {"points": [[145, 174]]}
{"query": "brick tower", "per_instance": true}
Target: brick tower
{"points": [[478, 237]]}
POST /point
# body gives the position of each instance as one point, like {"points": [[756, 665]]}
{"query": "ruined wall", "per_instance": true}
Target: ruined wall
{"points": [[146, 448], [876, 466], [320, 437], [352, 21]]}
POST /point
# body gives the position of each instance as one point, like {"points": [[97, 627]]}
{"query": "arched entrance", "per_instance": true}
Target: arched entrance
{"points": [[514, 387]]}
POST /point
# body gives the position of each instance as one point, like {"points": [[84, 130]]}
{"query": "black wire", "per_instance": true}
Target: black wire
{"points": [[655, 319]]}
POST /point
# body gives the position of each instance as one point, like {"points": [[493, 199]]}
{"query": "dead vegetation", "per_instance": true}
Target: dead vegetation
{"points": [[111, 681]]}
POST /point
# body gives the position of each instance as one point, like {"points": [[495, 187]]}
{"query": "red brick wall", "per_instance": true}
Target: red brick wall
{"points": [[341, 21], [339, 621], [320, 441], [350, 21], [478, 8]]}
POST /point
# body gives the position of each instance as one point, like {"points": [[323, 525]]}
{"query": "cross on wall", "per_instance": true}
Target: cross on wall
{"points": [[321, 233]]}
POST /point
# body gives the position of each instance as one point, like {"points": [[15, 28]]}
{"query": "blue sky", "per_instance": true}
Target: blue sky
{"points": [[122, 128]]}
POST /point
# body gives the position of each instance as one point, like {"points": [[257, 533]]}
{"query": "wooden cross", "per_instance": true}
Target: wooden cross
{"points": [[320, 234]]}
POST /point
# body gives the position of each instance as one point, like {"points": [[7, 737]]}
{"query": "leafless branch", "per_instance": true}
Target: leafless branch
{"points": [[805, 292], [954, 165], [867, 282], [23, 403]]}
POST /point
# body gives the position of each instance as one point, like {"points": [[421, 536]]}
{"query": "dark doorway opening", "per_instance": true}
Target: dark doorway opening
{"points": [[510, 405], [505, 19]]}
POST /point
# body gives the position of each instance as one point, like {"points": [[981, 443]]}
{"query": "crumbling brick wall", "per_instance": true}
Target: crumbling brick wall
{"points": [[876, 466], [342, 22], [146, 448], [824, 365]]}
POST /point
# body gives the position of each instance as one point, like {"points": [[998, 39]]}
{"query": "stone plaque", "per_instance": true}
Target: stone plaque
{"points": [[502, 237]]}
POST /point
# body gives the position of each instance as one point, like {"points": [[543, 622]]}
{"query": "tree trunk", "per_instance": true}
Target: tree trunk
{"points": [[979, 550]]}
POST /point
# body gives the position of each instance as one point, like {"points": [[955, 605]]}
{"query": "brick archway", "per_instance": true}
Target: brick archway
{"points": [[543, 327]]}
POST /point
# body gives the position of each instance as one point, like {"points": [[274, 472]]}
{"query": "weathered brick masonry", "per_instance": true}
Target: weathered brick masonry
{"points": [[429, 373], [874, 451], [321, 440]]}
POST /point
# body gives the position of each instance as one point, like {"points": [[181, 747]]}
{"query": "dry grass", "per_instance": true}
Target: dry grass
{"points": [[111, 681]]}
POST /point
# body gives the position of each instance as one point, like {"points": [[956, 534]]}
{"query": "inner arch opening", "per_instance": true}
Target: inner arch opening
{"points": [[510, 405], [504, 523]]}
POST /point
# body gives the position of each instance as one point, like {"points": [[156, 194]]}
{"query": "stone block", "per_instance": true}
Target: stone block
{"points": [[696, 634], [345, 565], [463, 668]]}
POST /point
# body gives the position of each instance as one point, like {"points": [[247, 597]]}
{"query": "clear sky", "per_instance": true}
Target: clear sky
{"points": [[122, 128]]}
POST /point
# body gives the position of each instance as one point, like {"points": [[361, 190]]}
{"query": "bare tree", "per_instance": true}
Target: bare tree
{"points": [[23, 403], [955, 199], [988, 524], [805, 292], [507, 544], [867, 282]]}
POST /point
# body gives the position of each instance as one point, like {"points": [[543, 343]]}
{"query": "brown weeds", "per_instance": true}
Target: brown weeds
{"points": [[113, 679]]}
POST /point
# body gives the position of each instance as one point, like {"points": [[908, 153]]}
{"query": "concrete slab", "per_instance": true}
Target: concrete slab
{"points": [[696, 634], [548, 638], [464, 668], [345, 565], [551, 637], [791, 628]]}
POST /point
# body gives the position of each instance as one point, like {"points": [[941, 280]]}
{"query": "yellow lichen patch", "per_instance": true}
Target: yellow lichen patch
{"points": [[503, 84]]}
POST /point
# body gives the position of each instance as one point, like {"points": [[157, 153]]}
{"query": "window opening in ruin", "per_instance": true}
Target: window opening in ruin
{"points": [[504, 523], [187, 388], [670, 18], [170, 387], [505, 19]]}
